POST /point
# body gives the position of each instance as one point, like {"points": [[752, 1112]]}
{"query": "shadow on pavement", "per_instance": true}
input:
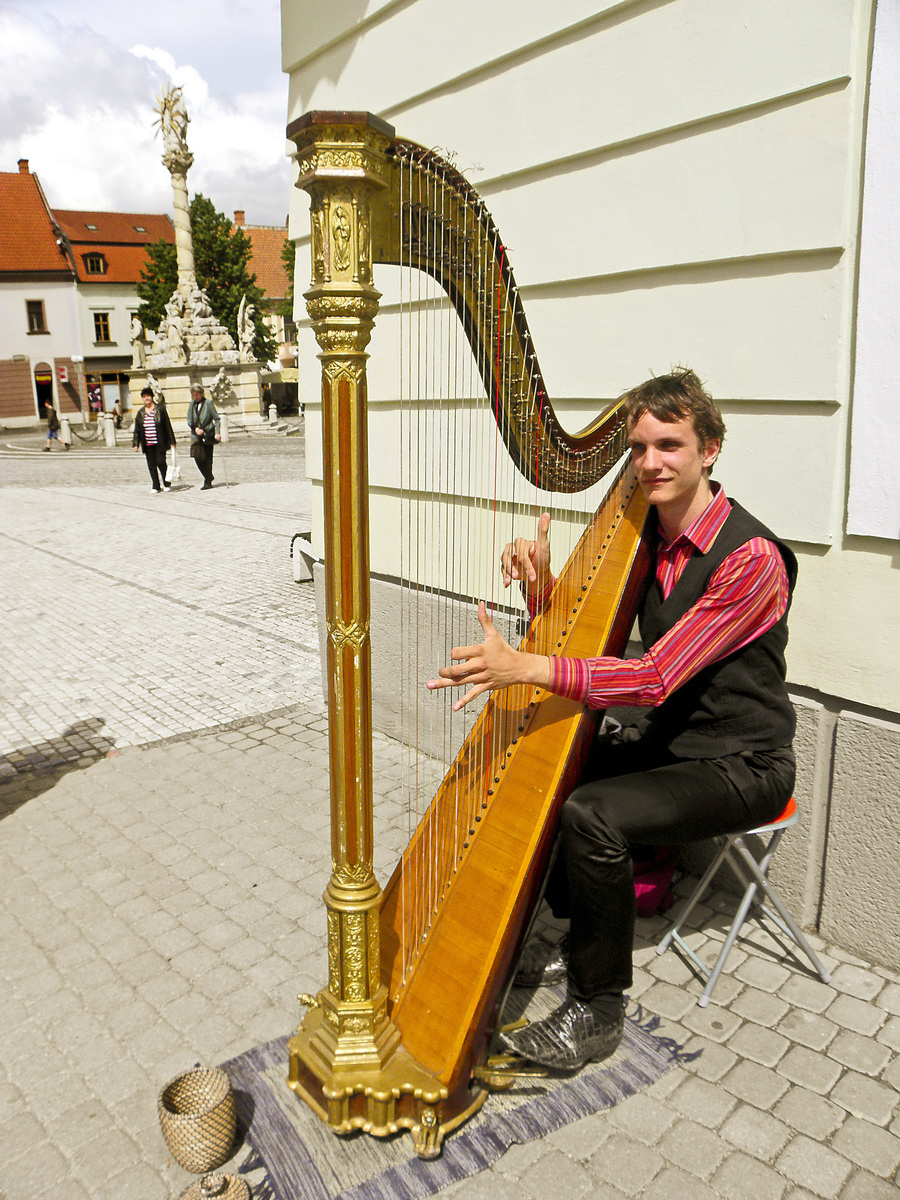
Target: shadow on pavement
{"points": [[29, 772]]}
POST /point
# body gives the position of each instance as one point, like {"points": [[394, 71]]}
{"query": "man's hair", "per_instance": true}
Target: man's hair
{"points": [[672, 397], [197, 387], [147, 391]]}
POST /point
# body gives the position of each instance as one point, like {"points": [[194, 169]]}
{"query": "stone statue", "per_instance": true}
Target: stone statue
{"points": [[174, 324], [173, 121], [197, 303], [158, 395], [222, 391], [138, 344], [246, 330]]}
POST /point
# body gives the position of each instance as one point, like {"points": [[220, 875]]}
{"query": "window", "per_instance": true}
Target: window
{"points": [[36, 322], [88, 225], [101, 327], [94, 264], [140, 229]]}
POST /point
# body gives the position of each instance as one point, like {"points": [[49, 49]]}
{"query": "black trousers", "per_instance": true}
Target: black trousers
{"points": [[633, 794], [202, 453], [156, 464]]}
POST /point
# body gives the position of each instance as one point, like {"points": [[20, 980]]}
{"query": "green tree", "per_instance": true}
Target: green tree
{"points": [[221, 256], [286, 308]]}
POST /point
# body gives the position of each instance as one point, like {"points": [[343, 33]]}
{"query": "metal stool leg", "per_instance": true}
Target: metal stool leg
{"points": [[786, 923], [674, 934], [753, 882]]}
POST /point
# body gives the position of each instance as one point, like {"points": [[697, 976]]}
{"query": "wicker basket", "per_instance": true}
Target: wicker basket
{"points": [[198, 1118]]}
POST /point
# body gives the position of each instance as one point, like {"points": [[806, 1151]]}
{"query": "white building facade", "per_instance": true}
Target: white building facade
{"points": [[683, 182]]}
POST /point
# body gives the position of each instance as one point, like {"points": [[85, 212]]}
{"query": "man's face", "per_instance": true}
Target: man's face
{"points": [[668, 458]]}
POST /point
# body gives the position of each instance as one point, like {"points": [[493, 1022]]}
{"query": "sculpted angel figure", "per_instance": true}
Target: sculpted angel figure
{"points": [[173, 120]]}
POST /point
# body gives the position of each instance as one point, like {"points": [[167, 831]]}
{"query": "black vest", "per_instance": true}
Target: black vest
{"points": [[740, 702]]}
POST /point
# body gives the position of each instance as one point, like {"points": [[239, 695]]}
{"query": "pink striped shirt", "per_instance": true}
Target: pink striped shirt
{"points": [[746, 595]]}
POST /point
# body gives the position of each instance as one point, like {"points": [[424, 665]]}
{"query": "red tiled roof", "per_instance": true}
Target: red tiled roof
{"points": [[266, 261], [119, 237], [121, 229], [123, 263], [27, 236]]}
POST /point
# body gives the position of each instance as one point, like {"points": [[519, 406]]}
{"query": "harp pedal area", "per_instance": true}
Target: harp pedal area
{"points": [[502, 1070]]}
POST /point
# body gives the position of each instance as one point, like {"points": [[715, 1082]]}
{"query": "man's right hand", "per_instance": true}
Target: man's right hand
{"points": [[528, 561]]}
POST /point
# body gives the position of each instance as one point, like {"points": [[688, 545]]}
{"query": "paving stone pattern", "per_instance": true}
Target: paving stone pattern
{"points": [[164, 845]]}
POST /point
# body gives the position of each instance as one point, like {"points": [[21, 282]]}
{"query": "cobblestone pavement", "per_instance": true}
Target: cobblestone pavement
{"points": [[133, 616], [161, 884]]}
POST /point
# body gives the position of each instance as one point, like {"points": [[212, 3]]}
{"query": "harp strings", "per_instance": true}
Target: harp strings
{"points": [[465, 496]]}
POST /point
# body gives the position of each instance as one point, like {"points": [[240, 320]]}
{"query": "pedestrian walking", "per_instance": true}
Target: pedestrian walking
{"points": [[52, 426], [204, 424], [154, 435]]}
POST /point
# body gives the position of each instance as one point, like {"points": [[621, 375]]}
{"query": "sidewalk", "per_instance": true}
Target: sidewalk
{"points": [[164, 844]]}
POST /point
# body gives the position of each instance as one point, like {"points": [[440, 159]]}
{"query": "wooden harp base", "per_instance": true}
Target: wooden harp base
{"points": [[383, 1101]]}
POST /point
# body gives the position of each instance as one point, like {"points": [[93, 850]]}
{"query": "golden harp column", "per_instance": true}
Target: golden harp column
{"points": [[339, 166]]}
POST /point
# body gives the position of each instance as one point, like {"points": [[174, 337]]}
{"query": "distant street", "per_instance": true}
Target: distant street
{"points": [[144, 615]]}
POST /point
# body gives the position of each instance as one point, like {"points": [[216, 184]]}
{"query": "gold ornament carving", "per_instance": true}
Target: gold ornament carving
{"points": [[320, 308], [333, 371], [354, 635], [340, 341], [355, 957], [334, 953], [351, 875], [340, 227], [318, 243]]}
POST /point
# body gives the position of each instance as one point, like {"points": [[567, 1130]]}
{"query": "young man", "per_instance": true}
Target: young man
{"points": [[154, 435], [713, 756], [53, 426], [203, 422]]}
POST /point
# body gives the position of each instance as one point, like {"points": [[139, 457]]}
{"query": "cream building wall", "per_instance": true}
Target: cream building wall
{"points": [[680, 182]]}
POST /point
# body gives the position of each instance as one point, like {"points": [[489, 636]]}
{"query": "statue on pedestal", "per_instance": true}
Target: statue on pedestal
{"points": [[189, 332]]}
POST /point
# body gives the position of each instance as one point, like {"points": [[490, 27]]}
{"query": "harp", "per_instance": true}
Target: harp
{"points": [[399, 1038]]}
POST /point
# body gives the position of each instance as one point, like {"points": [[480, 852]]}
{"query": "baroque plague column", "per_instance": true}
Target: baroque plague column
{"points": [[345, 1059]]}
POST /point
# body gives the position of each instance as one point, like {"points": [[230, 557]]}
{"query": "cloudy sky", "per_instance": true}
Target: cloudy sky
{"points": [[79, 81]]}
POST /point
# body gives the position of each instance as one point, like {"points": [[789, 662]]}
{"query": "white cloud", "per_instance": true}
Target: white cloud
{"points": [[81, 109]]}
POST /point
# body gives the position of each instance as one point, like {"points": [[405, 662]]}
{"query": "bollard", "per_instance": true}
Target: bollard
{"points": [[65, 433], [273, 414], [109, 428], [223, 428]]}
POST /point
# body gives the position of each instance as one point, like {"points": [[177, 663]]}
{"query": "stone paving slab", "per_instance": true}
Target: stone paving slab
{"points": [[180, 614], [162, 866]]}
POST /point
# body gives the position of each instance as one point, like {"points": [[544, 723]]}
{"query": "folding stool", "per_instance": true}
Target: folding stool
{"points": [[755, 880]]}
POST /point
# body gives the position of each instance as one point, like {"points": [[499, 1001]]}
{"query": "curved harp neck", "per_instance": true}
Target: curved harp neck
{"points": [[428, 216]]}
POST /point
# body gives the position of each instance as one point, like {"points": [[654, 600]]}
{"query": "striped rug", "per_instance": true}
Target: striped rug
{"points": [[293, 1155]]}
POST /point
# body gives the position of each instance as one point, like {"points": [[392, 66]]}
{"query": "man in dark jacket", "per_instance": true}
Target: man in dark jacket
{"points": [[203, 422], [52, 426], [714, 756], [154, 435]]}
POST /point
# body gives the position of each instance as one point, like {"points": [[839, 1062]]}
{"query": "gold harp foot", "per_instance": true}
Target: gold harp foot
{"points": [[501, 1071]]}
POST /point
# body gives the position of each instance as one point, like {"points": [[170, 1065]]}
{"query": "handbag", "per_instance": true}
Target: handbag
{"points": [[198, 450], [173, 471]]}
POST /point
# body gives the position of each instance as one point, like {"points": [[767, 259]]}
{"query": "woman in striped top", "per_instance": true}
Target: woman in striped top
{"points": [[154, 435]]}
